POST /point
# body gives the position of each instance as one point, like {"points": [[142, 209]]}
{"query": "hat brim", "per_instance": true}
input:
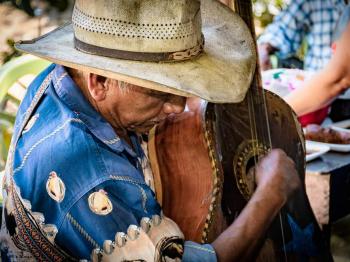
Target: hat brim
{"points": [[222, 74]]}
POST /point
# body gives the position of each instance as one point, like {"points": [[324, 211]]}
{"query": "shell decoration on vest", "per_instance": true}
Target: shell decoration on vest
{"points": [[55, 187], [99, 203], [30, 123]]}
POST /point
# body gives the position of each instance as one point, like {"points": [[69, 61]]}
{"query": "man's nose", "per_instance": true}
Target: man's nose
{"points": [[175, 105]]}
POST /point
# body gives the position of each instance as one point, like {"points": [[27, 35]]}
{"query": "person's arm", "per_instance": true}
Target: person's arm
{"points": [[276, 180], [324, 86], [285, 33]]}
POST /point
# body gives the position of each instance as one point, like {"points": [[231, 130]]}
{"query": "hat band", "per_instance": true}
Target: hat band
{"points": [[140, 56]]}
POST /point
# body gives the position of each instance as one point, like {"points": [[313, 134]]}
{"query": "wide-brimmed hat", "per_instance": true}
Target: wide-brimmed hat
{"points": [[183, 47]]}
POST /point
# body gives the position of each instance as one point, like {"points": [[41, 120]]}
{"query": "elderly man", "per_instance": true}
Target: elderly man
{"points": [[74, 186]]}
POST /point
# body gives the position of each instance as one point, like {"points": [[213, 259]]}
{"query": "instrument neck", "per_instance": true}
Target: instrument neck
{"points": [[245, 10]]}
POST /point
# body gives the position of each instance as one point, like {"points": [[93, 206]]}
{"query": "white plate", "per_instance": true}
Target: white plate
{"points": [[341, 126], [317, 148], [334, 147], [345, 95]]}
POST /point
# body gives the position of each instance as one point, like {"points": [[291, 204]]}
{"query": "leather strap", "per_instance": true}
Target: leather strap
{"points": [[29, 232], [140, 56]]}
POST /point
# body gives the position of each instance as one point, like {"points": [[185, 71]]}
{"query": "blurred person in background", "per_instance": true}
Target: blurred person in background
{"points": [[312, 20], [322, 88]]}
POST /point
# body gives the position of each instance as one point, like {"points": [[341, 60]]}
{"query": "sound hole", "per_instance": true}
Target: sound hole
{"points": [[243, 165], [251, 164], [250, 173]]}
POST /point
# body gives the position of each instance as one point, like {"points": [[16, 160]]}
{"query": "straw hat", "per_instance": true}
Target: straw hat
{"points": [[157, 44]]}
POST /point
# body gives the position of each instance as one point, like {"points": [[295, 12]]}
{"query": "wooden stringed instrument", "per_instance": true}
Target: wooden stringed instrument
{"points": [[200, 160]]}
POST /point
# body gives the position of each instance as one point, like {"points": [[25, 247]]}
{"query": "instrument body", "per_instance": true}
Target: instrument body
{"points": [[188, 181], [200, 160]]}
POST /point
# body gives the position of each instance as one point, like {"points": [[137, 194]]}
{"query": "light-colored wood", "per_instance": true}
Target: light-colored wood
{"points": [[318, 189], [180, 157], [153, 158]]}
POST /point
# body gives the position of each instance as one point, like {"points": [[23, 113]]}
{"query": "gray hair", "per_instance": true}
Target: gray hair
{"points": [[123, 86]]}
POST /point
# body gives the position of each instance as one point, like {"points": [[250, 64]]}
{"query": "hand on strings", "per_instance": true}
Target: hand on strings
{"points": [[276, 175], [276, 179]]}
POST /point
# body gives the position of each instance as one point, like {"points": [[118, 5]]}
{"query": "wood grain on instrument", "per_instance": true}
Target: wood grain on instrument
{"points": [[180, 154]]}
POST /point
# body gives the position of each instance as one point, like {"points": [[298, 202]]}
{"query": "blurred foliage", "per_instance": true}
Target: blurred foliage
{"points": [[31, 6], [15, 75], [8, 55], [6, 129], [6, 120], [265, 10]]}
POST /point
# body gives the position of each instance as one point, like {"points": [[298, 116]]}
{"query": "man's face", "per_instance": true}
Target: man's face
{"points": [[138, 109]]}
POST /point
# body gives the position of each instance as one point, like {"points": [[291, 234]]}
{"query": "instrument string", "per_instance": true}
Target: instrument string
{"points": [[266, 117], [265, 134], [244, 9], [253, 128]]}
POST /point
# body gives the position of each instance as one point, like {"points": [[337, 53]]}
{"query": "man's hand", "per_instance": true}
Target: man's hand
{"points": [[276, 178], [276, 175], [264, 51]]}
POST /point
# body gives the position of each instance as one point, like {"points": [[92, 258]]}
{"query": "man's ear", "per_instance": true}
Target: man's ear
{"points": [[97, 87]]}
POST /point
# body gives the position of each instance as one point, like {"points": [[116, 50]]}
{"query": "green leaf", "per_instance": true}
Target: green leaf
{"points": [[7, 117]]}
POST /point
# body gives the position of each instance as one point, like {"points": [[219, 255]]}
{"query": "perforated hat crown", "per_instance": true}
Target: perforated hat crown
{"points": [[184, 47], [147, 30]]}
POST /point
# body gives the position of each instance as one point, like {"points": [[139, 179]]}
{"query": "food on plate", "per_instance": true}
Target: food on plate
{"points": [[326, 135]]}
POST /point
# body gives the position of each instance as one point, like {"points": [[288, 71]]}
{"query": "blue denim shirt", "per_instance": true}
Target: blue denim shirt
{"points": [[77, 176]]}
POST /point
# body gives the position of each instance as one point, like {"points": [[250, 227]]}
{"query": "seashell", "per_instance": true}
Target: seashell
{"points": [[27, 204], [96, 254], [108, 246], [99, 203], [156, 220], [39, 217], [145, 224], [50, 231], [55, 187], [133, 232], [120, 239], [30, 123]]}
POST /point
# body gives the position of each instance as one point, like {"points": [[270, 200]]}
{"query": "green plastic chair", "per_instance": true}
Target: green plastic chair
{"points": [[10, 73]]}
